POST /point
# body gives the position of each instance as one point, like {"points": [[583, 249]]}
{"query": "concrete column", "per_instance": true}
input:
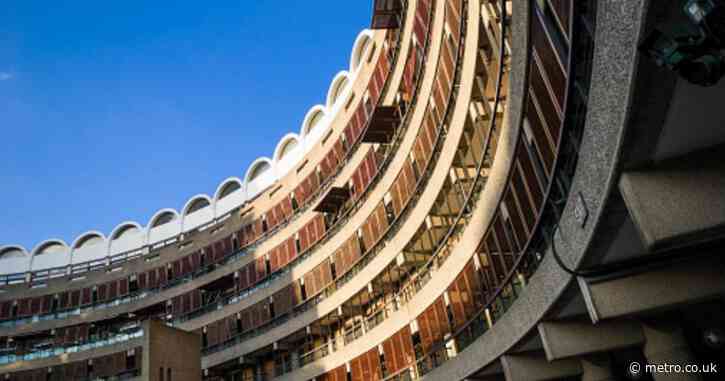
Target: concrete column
{"points": [[665, 345], [596, 368]]}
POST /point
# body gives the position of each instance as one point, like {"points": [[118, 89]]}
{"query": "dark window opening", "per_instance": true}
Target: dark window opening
{"points": [[303, 291], [54, 304], [361, 242], [130, 361], [293, 200], [449, 314], [389, 212], [383, 367], [272, 313], [132, 286]]}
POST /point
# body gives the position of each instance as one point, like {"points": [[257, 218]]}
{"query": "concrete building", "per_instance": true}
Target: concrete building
{"points": [[493, 190]]}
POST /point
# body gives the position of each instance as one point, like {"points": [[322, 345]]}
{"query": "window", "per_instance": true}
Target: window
{"points": [[131, 360], [294, 202], [343, 139], [132, 285], [272, 313], [303, 291], [389, 212], [169, 273], [361, 241]]}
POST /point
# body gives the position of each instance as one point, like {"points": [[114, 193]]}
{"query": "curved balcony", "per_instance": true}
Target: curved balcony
{"points": [[200, 272]]}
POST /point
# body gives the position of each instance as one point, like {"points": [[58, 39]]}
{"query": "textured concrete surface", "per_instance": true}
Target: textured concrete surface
{"points": [[535, 367], [575, 338], [670, 286], [619, 25], [678, 201]]}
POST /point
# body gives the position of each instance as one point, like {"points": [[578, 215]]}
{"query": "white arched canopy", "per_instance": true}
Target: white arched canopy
{"points": [[163, 217], [260, 175], [196, 203], [13, 251], [125, 229], [258, 168], [89, 246], [51, 246], [288, 143], [14, 259], [127, 236], [312, 119], [362, 43], [338, 85], [49, 254], [198, 211], [165, 224], [90, 238], [228, 187], [230, 194]]}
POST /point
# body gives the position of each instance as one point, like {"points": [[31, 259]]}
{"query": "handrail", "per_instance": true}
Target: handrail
{"points": [[242, 252], [376, 247], [109, 261], [421, 183], [483, 320], [106, 341]]}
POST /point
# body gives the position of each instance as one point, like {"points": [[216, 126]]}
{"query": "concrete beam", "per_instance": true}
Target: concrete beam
{"points": [[576, 338], [492, 372], [597, 368], [658, 288], [535, 367], [666, 345], [679, 200]]}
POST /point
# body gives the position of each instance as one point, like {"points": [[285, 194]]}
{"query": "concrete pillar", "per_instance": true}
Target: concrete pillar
{"points": [[665, 345], [596, 368]]}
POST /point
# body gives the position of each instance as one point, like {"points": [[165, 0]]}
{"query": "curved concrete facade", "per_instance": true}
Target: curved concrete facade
{"points": [[493, 190]]}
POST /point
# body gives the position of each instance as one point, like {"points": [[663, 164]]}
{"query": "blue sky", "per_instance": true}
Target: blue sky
{"points": [[110, 111]]}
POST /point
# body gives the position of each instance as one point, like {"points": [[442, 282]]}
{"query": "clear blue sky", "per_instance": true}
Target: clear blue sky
{"points": [[110, 111]]}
